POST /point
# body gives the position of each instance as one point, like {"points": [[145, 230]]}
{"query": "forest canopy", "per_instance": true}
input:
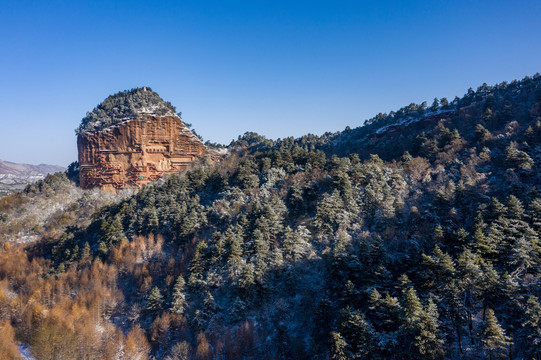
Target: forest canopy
{"points": [[417, 236], [123, 105]]}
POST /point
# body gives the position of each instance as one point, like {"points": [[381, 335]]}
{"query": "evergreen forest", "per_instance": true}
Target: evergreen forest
{"points": [[414, 236]]}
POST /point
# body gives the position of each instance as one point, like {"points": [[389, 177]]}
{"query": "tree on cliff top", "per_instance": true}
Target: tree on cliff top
{"points": [[127, 104]]}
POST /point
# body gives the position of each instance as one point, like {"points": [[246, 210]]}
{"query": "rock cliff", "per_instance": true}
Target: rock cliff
{"points": [[139, 149]]}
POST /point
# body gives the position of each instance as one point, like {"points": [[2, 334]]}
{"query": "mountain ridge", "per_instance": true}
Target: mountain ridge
{"points": [[417, 236], [15, 176]]}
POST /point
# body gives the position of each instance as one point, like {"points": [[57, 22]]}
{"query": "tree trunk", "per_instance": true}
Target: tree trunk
{"points": [[470, 327], [459, 340], [467, 301]]}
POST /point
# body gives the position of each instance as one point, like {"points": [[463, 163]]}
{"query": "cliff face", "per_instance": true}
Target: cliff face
{"points": [[136, 151]]}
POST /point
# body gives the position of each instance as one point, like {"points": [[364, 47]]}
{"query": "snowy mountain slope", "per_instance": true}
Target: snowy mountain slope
{"points": [[14, 177]]}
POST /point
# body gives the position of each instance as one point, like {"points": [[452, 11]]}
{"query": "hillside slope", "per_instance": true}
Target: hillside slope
{"points": [[416, 236]]}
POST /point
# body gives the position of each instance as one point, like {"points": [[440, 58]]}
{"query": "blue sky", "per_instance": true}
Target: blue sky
{"points": [[280, 68]]}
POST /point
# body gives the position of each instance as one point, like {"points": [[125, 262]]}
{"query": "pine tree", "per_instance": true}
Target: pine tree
{"points": [[489, 286], [374, 299], [435, 105], [444, 103], [420, 327], [270, 220], [331, 213], [246, 278], [340, 349], [484, 246], [440, 269], [469, 279], [428, 341], [103, 250], [525, 252], [343, 184], [496, 209], [482, 133], [261, 255], [517, 158], [535, 214], [296, 245], [295, 199], [154, 300], [85, 252], [493, 337], [112, 230], [234, 258], [412, 314], [385, 313], [178, 305], [495, 239], [152, 219], [533, 327], [209, 302], [358, 333], [515, 210], [454, 308], [276, 258], [197, 265], [508, 286]]}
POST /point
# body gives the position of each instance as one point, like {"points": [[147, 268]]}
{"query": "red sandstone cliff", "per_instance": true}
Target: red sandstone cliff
{"points": [[136, 151]]}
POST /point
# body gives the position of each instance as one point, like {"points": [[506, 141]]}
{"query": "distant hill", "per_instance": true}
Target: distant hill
{"points": [[14, 177]]}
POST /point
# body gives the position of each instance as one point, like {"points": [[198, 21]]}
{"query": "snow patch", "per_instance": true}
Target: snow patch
{"points": [[24, 350]]}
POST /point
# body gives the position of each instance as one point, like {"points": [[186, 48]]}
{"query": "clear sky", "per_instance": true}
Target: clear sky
{"points": [[279, 68]]}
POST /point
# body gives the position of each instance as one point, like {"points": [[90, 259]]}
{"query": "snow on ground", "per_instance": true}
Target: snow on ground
{"points": [[25, 352], [409, 120]]}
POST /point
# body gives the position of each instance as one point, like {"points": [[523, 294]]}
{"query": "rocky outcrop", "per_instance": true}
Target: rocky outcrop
{"points": [[136, 151]]}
